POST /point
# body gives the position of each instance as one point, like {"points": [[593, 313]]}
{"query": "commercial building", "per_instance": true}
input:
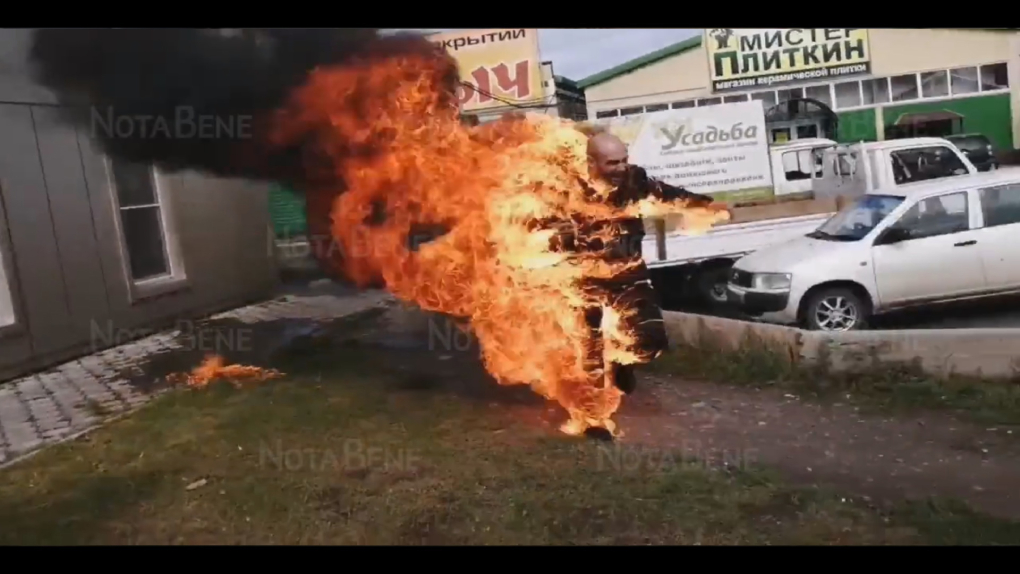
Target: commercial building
{"points": [[503, 72], [848, 84], [94, 250]]}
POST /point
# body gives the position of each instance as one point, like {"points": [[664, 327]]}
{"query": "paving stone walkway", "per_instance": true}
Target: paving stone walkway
{"points": [[77, 396]]}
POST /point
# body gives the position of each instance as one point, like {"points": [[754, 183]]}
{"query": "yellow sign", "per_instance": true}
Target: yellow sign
{"points": [[748, 58], [501, 64]]}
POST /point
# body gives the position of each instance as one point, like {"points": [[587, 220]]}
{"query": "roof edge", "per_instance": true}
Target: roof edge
{"points": [[640, 62], [565, 81]]}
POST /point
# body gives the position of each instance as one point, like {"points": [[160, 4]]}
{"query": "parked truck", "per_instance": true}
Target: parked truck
{"points": [[698, 266]]}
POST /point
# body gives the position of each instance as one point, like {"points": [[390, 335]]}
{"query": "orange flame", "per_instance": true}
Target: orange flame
{"points": [[487, 185], [214, 367]]}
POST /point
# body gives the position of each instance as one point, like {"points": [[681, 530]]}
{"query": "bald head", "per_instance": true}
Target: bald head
{"points": [[607, 155]]}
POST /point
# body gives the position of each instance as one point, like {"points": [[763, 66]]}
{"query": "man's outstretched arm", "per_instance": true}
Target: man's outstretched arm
{"points": [[671, 193], [645, 187]]}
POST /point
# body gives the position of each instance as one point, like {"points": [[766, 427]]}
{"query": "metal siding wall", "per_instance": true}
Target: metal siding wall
{"points": [[32, 235], [66, 270], [71, 212]]}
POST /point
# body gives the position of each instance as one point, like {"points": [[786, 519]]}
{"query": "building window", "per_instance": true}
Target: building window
{"points": [[767, 99], [964, 81], [734, 99], [848, 94], [8, 316], [994, 77], [934, 84], [903, 88], [656, 108], [631, 111], [821, 93], [787, 95], [709, 102], [875, 91], [682, 105], [142, 220], [607, 114]]}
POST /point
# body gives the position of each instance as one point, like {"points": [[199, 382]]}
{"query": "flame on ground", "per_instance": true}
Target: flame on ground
{"points": [[214, 367], [407, 162]]}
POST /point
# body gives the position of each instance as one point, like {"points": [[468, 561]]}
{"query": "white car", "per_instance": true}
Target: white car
{"points": [[917, 244]]}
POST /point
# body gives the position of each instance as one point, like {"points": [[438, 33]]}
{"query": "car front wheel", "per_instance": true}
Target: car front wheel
{"points": [[836, 310]]}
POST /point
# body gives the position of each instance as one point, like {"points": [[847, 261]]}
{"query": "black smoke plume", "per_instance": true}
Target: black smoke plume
{"points": [[227, 74]]}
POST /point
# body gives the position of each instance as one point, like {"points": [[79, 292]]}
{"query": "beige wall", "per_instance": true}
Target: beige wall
{"points": [[894, 51], [678, 78], [64, 259], [902, 50]]}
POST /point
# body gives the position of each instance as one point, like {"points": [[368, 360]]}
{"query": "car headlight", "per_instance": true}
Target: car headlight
{"points": [[771, 281]]}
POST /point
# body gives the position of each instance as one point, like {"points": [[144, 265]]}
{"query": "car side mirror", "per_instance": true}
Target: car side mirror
{"points": [[893, 235]]}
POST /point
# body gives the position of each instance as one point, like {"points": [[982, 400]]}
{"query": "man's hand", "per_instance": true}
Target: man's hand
{"points": [[722, 209]]}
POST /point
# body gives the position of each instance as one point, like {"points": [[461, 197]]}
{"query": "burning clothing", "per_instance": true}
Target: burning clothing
{"points": [[623, 310]]}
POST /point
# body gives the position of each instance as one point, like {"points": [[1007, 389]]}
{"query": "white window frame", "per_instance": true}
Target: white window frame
{"points": [[860, 88], [917, 79], [175, 279], [835, 102], [13, 320], [945, 76]]}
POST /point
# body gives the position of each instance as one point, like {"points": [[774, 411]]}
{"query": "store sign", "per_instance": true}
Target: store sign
{"points": [[504, 65], [713, 149], [749, 58]]}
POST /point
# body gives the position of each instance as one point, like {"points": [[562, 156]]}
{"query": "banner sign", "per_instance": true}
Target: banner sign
{"points": [[504, 63], [748, 58], [709, 150]]}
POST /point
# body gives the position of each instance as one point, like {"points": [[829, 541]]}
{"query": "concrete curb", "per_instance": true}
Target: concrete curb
{"points": [[993, 353]]}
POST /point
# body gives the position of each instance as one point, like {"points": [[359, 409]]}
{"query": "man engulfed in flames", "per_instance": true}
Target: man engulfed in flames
{"points": [[541, 251], [622, 313], [538, 252]]}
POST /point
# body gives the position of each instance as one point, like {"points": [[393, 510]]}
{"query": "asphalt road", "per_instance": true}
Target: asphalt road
{"points": [[1000, 313]]}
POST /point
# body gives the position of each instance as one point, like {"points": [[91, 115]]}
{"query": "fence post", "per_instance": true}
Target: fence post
{"points": [[660, 237]]}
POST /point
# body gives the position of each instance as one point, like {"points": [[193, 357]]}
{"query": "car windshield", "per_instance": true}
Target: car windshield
{"points": [[856, 220]]}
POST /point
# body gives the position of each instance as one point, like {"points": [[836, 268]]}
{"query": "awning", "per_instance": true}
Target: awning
{"points": [[925, 117]]}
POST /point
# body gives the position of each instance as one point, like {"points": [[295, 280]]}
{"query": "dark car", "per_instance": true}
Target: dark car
{"points": [[978, 149]]}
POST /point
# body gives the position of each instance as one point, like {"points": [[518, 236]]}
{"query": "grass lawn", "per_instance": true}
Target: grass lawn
{"points": [[334, 454]]}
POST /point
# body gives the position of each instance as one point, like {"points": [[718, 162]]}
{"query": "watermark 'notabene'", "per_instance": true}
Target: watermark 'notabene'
{"points": [[349, 454], [630, 458], [185, 124], [446, 335], [191, 336]]}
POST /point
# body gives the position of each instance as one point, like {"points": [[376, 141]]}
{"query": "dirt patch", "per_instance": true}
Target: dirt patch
{"points": [[887, 458]]}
